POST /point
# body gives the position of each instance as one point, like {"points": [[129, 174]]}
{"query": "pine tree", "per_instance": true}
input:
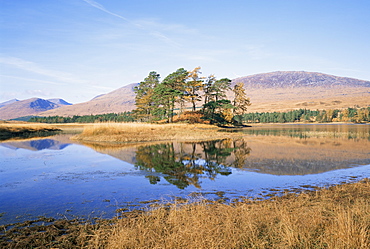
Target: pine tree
{"points": [[171, 90], [193, 86], [144, 96], [241, 102], [220, 87], [208, 88]]}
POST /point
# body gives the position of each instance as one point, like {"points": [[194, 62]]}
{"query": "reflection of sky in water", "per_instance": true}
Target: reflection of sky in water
{"points": [[76, 180]]}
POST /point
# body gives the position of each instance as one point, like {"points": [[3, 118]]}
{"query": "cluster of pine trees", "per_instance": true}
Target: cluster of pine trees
{"points": [[157, 100], [356, 115], [108, 117]]}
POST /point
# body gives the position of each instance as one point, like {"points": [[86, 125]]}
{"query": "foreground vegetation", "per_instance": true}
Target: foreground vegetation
{"points": [[337, 217]]}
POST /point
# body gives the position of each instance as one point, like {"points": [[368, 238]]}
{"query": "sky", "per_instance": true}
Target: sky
{"points": [[78, 49]]}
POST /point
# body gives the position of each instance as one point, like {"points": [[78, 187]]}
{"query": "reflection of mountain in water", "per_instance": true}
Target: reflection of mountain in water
{"points": [[35, 145]]}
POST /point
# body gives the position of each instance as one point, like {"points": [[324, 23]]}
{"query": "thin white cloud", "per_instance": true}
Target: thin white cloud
{"points": [[33, 67], [29, 79], [156, 34], [164, 38], [101, 7], [37, 92]]}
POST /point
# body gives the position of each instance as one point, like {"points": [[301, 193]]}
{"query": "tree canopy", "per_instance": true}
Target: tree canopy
{"points": [[162, 100]]}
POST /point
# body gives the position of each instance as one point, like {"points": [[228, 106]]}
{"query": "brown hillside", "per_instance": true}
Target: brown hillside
{"points": [[294, 79], [276, 91], [120, 100], [26, 108], [281, 91]]}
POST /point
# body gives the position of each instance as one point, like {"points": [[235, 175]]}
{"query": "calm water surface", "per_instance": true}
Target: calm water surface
{"points": [[55, 177]]}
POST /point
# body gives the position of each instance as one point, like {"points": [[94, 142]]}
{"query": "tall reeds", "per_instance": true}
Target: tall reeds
{"points": [[338, 217]]}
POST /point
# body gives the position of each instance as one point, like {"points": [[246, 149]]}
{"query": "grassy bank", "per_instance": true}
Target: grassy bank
{"points": [[143, 132], [338, 217], [25, 130]]}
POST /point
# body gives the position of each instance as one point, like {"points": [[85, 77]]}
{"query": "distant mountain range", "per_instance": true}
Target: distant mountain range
{"points": [[8, 102], [299, 79], [120, 100], [275, 91], [19, 108]]}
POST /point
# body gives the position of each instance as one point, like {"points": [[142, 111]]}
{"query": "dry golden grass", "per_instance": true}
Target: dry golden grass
{"points": [[334, 218], [338, 217], [144, 132], [9, 130], [19, 127]]}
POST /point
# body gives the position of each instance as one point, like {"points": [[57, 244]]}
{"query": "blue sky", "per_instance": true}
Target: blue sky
{"points": [[77, 49]]}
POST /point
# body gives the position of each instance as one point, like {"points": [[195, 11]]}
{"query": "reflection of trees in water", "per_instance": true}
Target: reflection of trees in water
{"points": [[241, 152], [189, 163]]}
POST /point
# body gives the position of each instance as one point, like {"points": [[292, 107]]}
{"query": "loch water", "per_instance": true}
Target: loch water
{"points": [[61, 178]]}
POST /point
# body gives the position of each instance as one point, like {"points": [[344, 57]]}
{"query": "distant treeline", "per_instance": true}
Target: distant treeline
{"points": [[108, 117], [356, 115]]}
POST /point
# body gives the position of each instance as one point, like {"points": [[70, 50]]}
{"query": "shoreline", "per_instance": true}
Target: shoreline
{"points": [[323, 207], [143, 132]]}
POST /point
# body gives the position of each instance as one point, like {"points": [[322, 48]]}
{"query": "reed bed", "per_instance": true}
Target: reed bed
{"points": [[144, 132], [337, 217]]}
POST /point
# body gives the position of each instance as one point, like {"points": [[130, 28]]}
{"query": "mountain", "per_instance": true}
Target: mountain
{"points": [[27, 107], [275, 91], [8, 102], [120, 100], [282, 91], [298, 79]]}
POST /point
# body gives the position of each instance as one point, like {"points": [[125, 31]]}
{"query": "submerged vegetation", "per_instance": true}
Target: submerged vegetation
{"points": [[337, 217]]}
